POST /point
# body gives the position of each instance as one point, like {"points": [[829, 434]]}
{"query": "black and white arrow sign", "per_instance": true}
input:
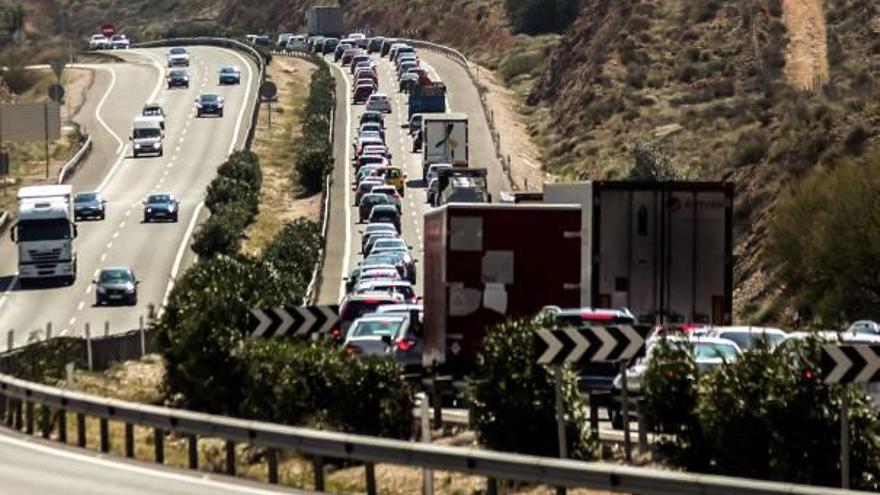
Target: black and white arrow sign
{"points": [[294, 321], [853, 363], [574, 345]]}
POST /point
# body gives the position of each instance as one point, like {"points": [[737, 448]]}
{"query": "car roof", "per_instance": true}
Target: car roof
{"points": [[372, 295], [116, 268], [385, 207], [155, 194], [745, 329], [401, 307], [379, 95]]}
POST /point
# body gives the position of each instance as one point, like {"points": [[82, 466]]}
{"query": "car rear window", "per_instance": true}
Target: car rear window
{"points": [[377, 328]]}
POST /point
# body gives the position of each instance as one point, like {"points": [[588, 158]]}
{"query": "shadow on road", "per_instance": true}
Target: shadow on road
{"points": [[17, 286]]}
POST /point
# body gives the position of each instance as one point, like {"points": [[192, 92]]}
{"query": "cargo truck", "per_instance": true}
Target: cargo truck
{"points": [[664, 250], [485, 263], [44, 232], [430, 98], [325, 21], [444, 140]]}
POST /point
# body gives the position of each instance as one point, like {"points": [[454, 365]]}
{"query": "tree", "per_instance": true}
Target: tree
{"points": [[825, 242], [513, 400], [311, 166], [294, 252], [202, 331]]}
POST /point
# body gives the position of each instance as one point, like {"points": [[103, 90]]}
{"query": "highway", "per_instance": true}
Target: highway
{"points": [[157, 251], [343, 237], [32, 466]]}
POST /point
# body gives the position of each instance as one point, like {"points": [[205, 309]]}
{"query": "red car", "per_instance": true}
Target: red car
{"points": [[362, 93], [349, 54]]}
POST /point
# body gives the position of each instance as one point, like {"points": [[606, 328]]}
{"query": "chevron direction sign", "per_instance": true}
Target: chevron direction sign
{"points": [[293, 321], [594, 344], [854, 363]]}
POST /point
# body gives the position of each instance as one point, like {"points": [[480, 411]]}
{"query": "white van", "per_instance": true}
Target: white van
{"points": [[146, 136]]}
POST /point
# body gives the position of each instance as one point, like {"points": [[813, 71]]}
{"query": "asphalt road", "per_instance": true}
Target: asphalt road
{"points": [[343, 238], [157, 251], [35, 467]]}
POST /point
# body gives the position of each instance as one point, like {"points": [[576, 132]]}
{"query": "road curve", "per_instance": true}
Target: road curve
{"points": [[36, 467], [194, 147]]}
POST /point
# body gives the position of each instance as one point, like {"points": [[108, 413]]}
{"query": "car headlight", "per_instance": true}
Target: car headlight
{"points": [[137, 146], [149, 210], [129, 288], [157, 145], [172, 207], [101, 290], [198, 105]]}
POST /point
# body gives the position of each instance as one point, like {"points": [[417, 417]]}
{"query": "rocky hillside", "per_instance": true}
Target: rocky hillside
{"points": [[707, 82]]}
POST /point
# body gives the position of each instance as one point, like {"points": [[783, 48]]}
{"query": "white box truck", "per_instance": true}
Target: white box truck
{"points": [[662, 249], [444, 140], [44, 232]]}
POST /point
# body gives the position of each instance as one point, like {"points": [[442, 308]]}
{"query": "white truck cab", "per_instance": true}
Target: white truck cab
{"points": [[147, 135], [44, 232]]}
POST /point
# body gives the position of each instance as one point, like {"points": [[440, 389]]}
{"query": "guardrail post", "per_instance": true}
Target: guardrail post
{"points": [[272, 461], [143, 336], [159, 445], [105, 434], [3, 407], [230, 458], [48, 330], [81, 430], [318, 466], [88, 332], [45, 424], [594, 414], [192, 442], [17, 419], [491, 486], [643, 426], [370, 470], [129, 440], [62, 425], [106, 329], [10, 340], [29, 417]]}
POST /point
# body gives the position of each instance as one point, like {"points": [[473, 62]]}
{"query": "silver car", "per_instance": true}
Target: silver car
{"points": [[386, 336]]}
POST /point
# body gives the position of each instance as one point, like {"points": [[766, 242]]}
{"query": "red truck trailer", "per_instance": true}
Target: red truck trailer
{"points": [[485, 263]]}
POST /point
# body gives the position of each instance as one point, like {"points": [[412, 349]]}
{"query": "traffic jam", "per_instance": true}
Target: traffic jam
{"points": [[381, 311]]}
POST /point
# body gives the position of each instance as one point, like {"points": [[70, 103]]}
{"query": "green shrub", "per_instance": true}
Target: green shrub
{"points": [[751, 148], [748, 417], [652, 162], [319, 385], [311, 167], [513, 401], [243, 166], [521, 62], [855, 139], [223, 190], [294, 251], [201, 332], [222, 232]]}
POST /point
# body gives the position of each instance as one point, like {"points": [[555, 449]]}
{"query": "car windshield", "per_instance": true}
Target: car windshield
{"points": [[178, 73], [706, 350], [390, 243], [356, 309], [209, 98], [115, 276], [177, 51], [85, 197], [43, 230], [147, 132], [152, 111], [159, 199], [228, 70], [749, 340], [377, 328]]}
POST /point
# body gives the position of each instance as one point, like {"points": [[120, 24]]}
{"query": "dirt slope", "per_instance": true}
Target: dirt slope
{"points": [[806, 61]]}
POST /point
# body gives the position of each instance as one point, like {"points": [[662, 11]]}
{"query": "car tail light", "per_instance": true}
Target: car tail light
{"points": [[809, 374], [353, 349], [405, 345], [336, 333], [597, 316]]}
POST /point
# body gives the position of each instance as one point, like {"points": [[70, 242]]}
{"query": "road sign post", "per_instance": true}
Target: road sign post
{"points": [[268, 91], [844, 364], [624, 390], [614, 343]]}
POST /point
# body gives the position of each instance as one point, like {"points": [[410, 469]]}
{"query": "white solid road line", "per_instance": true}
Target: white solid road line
{"points": [[347, 252], [200, 479], [101, 105]]}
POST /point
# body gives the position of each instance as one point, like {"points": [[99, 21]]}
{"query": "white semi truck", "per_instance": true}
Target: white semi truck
{"points": [[444, 140], [44, 232]]}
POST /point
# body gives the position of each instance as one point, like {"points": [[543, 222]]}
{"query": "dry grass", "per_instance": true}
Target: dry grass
{"points": [[280, 201]]}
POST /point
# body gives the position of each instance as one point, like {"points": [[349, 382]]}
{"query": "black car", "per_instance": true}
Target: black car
{"points": [[177, 79], [385, 213], [209, 105], [89, 205], [162, 206], [373, 116], [116, 285]]}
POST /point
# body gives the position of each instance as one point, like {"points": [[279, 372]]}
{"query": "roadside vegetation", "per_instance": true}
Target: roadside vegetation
{"points": [[767, 415]]}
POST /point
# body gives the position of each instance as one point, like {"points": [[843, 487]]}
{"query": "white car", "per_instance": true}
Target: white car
{"points": [[379, 102], [178, 56], [120, 42], [99, 42]]}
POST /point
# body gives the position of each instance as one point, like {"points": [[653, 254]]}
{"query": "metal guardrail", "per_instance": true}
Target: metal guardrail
{"points": [[19, 399], [70, 167], [4, 217]]}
